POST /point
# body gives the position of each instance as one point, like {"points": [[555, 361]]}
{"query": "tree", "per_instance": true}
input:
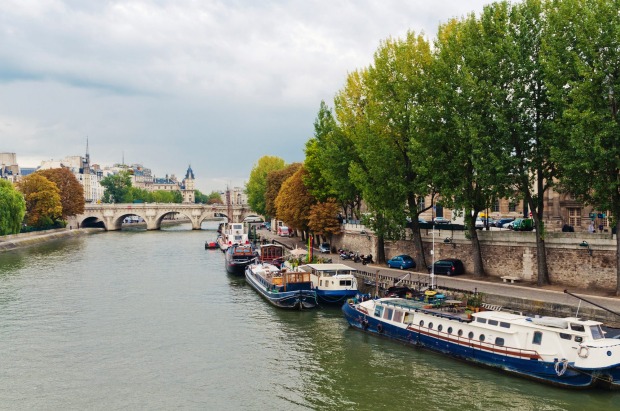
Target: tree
{"points": [[328, 156], [116, 187], [274, 183], [43, 205], [463, 121], [582, 65], [257, 184], [12, 208], [214, 198], [294, 202], [71, 191], [322, 218]]}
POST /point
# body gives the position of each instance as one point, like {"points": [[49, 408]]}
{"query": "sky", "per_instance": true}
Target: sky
{"points": [[173, 83]]}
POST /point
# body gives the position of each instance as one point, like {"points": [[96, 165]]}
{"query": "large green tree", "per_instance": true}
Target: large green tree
{"points": [[12, 208], [71, 191], [582, 64], [463, 124], [256, 186], [116, 187], [328, 156], [43, 205]]}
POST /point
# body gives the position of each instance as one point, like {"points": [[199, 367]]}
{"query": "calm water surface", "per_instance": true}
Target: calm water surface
{"points": [[151, 320]]}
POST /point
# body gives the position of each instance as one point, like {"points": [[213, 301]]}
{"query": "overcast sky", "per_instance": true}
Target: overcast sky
{"points": [[169, 83]]}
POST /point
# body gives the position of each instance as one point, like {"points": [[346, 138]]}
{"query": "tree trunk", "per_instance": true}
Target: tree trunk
{"points": [[541, 260], [617, 259], [418, 245], [380, 250], [476, 252]]}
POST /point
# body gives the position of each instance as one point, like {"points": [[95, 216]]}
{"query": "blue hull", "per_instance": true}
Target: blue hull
{"points": [[335, 297], [530, 368]]}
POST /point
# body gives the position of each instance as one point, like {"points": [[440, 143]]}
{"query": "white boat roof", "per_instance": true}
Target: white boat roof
{"points": [[330, 267]]}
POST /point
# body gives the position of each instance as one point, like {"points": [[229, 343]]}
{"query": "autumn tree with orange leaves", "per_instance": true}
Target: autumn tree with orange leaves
{"points": [[71, 191], [43, 206], [322, 219], [294, 202]]}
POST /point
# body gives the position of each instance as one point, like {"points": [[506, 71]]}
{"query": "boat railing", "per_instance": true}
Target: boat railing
{"points": [[476, 344]]}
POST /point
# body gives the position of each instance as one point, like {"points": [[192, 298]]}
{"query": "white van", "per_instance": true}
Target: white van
{"points": [[283, 231]]}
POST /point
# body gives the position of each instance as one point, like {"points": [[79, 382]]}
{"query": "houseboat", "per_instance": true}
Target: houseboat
{"points": [[232, 233], [566, 352], [281, 288], [334, 283]]}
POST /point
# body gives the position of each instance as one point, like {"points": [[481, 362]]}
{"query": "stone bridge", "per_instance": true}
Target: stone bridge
{"points": [[111, 216]]}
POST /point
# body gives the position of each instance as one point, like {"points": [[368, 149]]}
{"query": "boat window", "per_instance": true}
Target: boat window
{"points": [[471, 334], [321, 282], [345, 282], [481, 320], [499, 341], [577, 327], [565, 336], [596, 331], [378, 311], [493, 322], [504, 325], [430, 325], [460, 333], [388, 313], [439, 327], [408, 318], [449, 330], [421, 323], [482, 337], [578, 339], [398, 316], [537, 339]]}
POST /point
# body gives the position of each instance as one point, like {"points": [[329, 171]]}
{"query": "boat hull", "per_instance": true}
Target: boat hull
{"points": [[297, 299], [554, 373], [337, 297]]}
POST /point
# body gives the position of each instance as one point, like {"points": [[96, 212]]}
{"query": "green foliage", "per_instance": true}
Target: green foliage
{"points": [[256, 186], [117, 187], [12, 208]]}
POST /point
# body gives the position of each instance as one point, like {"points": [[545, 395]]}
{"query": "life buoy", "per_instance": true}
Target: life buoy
{"points": [[380, 328], [561, 366], [430, 293], [584, 351]]}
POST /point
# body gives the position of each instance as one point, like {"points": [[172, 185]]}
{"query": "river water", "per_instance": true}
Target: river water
{"points": [[150, 320]]}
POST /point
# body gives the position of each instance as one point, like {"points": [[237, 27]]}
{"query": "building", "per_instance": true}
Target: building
{"points": [[9, 170], [188, 186]]}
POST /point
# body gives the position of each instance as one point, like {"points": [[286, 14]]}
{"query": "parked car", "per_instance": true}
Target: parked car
{"points": [[283, 231], [481, 223], [324, 248], [500, 223], [402, 261], [523, 224], [441, 220], [447, 266]]}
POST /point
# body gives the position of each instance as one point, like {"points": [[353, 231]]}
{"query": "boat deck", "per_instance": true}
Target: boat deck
{"points": [[451, 309]]}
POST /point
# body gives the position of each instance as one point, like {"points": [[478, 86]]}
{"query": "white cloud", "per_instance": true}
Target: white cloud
{"points": [[179, 81]]}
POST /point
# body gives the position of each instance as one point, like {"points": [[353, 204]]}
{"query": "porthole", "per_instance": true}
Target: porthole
{"points": [[430, 325], [439, 327], [449, 330], [421, 323], [470, 335], [460, 333], [481, 337]]}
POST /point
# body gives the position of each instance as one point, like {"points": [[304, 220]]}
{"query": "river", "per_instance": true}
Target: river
{"points": [[150, 320]]}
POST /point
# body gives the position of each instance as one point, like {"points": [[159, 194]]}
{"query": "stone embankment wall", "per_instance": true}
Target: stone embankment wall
{"points": [[509, 253], [10, 242]]}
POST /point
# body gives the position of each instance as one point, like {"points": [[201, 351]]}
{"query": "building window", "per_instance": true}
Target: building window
{"points": [[574, 217], [496, 206], [420, 203], [512, 207]]}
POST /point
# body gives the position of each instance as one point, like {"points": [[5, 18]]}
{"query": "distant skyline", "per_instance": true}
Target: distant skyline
{"points": [[169, 83]]}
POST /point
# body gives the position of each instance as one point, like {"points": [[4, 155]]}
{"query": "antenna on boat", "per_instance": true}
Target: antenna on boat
{"points": [[593, 303], [433, 259]]}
